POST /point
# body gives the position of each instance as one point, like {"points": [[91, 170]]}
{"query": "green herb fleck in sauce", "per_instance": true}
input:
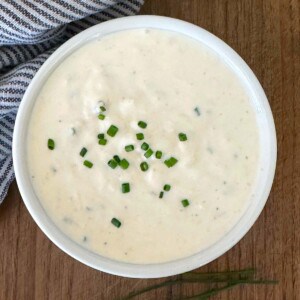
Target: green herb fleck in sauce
{"points": [[51, 144]]}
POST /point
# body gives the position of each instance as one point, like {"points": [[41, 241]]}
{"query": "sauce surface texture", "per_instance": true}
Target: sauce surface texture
{"points": [[175, 85]]}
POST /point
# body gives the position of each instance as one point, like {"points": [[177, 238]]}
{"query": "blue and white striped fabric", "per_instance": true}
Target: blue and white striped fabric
{"points": [[30, 30]]}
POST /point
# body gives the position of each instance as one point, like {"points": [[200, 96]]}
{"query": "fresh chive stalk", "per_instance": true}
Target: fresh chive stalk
{"points": [[102, 108], [101, 136], [220, 276], [232, 278], [161, 194]]}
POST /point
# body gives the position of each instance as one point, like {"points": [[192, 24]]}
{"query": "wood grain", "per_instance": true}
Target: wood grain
{"points": [[266, 33]]}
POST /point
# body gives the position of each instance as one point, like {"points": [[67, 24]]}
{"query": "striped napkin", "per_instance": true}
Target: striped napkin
{"points": [[30, 30]]}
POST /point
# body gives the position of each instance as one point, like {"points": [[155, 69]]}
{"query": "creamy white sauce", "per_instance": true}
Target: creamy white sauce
{"points": [[158, 77]]}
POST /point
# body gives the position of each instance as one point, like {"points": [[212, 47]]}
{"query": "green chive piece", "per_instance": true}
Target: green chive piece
{"points": [[112, 130], [158, 154], [185, 202], [140, 136], [112, 163], [51, 144], [197, 111], [142, 124], [129, 148], [125, 187], [102, 108], [161, 194], [88, 164], [83, 152], [170, 162], [148, 153], [116, 222], [145, 146], [101, 116], [124, 164], [167, 187], [101, 136], [117, 158], [144, 166], [182, 136], [102, 142]]}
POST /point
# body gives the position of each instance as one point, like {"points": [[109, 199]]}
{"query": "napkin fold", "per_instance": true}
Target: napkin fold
{"points": [[30, 31]]}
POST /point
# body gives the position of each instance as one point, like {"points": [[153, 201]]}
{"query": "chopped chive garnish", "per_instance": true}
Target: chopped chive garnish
{"points": [[148, 153], [167, 187], [51, 144], [142, 124], [161, 194], [124, 164], [117, 158], [112, 163], [101, 116], [197, 111], [102, 142], [101, 136], [145, 146], [182, 136], [112, 130], [129, 148], [158, 154], [125, 187], [88, 164], [170, 162], [102, 108], [140, 136], [144, 166], [83, 152], [116, 222], [185, 202]]}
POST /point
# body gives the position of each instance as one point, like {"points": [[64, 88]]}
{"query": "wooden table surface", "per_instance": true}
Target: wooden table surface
{"points": [[266, 34]]}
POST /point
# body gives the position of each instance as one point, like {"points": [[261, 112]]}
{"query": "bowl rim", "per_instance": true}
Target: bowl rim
{"points": [[158, 269]]}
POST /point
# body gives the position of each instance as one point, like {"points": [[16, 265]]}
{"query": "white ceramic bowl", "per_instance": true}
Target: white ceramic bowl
{"points": [[267, 153]]}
